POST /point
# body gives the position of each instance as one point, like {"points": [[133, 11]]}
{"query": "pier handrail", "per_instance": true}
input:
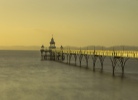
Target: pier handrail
{"points": [[118, 53]]}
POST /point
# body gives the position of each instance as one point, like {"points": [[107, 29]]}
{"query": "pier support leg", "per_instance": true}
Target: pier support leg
{"points": [[42, 54], [80, 58], [113, 70], [62, 56], [101, 58], [70, 55], [75, 56], [53, 55], [86, 58], [67, 58], [114, 62], [58, 56], [122, 71], [45, 56], [94, 58], [94, 66], [122, 63]]}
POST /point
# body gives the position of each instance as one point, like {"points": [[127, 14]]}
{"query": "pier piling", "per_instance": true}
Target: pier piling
{"points": [[116, 57]]}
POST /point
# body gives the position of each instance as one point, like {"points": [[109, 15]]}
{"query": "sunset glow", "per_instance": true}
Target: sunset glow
{"points": [[72, 22]]}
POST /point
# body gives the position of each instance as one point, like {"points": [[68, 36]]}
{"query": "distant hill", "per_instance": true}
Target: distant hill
{"points": [[124, 47], [70, 47], [105, 48], [20, 47]]}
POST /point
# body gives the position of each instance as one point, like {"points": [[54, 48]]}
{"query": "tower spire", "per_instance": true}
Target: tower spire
{"points": [[52, 43]]}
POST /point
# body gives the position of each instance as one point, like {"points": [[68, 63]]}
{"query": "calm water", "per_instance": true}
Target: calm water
{"points": [[24, 77]]}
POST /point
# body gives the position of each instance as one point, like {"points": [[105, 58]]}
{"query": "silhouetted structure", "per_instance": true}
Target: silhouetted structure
{"points": [[47, 54], [42, 52], [117, 57], [52, 44]]}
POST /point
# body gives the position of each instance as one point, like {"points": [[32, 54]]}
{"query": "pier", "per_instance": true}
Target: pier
{"points": [[119, 57]]}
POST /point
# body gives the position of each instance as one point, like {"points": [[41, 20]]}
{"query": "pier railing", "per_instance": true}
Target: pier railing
{"points": [[109, 53], [117, 57]]}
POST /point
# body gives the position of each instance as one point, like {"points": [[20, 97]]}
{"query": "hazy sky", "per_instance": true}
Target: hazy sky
{"points": [[72, 22]]}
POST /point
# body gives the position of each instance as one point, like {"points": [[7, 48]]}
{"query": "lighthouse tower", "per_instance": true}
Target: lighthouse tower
{"points": [[52, 44]]}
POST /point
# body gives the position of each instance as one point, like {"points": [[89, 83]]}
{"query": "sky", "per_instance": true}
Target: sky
{"points": [[71, 22]]}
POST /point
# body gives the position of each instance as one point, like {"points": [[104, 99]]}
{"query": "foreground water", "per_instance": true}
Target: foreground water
{"points": [[24, 77]]}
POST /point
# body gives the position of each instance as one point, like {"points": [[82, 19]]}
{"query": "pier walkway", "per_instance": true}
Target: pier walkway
{"points": [[116, 56]]}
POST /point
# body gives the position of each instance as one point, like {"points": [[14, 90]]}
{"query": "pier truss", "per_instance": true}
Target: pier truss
{"points": [[116, 57]]}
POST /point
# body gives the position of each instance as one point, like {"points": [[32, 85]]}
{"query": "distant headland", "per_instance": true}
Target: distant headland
{"points": [[71, 47]]}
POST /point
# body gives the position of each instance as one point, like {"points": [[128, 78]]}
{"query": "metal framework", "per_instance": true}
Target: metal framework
{"points": [[117, 56]]}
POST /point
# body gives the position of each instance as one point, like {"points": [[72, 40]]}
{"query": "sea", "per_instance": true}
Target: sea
{"points": [[23, 76]]}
